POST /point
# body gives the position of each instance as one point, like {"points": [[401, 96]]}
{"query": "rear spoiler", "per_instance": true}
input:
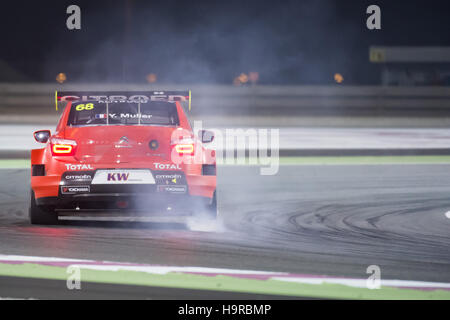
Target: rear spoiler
{"points": [[123, 95]]}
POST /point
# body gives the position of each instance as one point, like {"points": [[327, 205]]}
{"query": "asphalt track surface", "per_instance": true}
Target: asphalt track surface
{"points": [[309, 219], [29, 288]]}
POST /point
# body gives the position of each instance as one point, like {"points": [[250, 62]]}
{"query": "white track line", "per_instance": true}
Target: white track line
{"points": [[280, 276], [4, 257], [362, 283]]}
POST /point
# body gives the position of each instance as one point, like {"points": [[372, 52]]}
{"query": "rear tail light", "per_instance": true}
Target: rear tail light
{"points": [[185, 148], [63, 147]]}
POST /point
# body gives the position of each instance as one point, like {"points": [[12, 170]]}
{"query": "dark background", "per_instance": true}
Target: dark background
{"points": [[287, 42]]}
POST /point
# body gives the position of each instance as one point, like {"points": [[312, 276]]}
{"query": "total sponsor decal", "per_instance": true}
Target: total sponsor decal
{"points": [[79, 167], [167, 166], [74, 189]]}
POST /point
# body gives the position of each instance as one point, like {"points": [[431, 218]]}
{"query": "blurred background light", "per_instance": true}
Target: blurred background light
{"points": [[61, 77], [253, 77], [243, 78], [338, 78], [151, 78]]}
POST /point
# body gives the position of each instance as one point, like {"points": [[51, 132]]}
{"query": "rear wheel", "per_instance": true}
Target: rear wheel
{"points": [[211, 210], [41, 215]]}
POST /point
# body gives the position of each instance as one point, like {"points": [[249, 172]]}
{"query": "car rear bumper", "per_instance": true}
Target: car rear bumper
{"points": [[188, 191], [194, 185], [152, 203]]}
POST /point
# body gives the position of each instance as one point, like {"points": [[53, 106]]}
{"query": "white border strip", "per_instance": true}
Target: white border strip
{"points": [[279, 276]]}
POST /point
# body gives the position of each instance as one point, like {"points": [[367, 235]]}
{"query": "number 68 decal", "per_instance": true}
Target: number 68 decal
{"points": [[87, 106]]}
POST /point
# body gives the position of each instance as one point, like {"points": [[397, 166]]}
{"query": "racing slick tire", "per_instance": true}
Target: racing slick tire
{"points": [[211, 210], [41, 215]]}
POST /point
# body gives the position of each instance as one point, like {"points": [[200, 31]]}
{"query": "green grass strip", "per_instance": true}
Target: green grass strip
{"points": [[220, 283], [15, 163]]}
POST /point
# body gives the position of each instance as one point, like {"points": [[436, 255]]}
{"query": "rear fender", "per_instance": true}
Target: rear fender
{"points": [[37, 156], [37, 161], [42, 184]]}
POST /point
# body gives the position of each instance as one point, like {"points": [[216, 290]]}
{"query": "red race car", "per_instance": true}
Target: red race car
{"points": [[123, 152]]}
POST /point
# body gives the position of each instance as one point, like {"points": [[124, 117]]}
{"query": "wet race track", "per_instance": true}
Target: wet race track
{"points": [[308, 219]]}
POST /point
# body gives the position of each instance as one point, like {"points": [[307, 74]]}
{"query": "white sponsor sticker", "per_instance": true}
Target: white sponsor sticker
{"points": [[79, 167], [74, 189], [117, 176], [172, 189], [166, 166], [79, 177]]}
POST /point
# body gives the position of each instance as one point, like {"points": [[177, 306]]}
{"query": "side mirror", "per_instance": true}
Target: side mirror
{"points": [[206, 135], [42, 136]]}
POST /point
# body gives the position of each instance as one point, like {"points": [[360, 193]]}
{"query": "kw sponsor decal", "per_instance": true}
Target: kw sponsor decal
{"points": [[78, 167], [166, 166], [74, 189], [118, 176], [128, 176]]}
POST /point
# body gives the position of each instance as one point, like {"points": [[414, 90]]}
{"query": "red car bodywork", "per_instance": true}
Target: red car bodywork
{"points": [[121, 147]]}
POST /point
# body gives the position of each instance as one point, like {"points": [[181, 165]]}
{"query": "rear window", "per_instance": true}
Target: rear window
{"points": [[87, 113]]}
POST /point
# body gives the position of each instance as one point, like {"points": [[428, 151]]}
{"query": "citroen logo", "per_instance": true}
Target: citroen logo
{"points": [[123, 139], [123, 143]]}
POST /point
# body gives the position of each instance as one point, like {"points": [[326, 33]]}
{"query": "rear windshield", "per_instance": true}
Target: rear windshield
{"points": [[123, 113]]}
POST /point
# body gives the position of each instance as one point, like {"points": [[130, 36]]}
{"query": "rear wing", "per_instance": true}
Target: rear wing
{"points": [[123, 96]]}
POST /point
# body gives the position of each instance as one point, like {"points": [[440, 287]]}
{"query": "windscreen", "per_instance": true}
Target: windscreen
{"points": [[123, 113]]}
